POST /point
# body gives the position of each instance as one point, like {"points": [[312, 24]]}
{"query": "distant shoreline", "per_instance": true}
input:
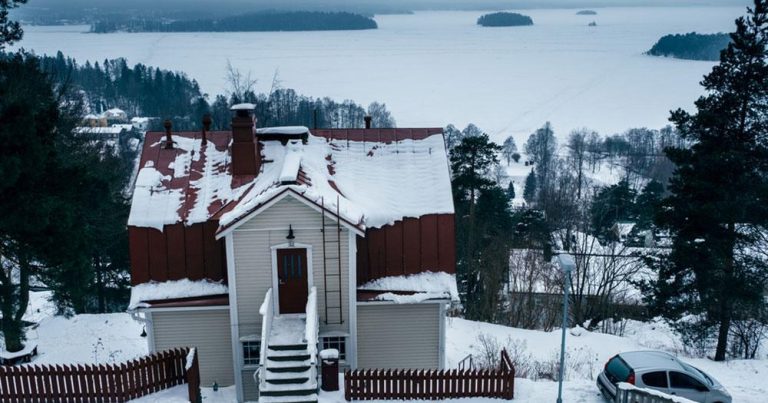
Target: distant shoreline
{"points": [[295, 21]]}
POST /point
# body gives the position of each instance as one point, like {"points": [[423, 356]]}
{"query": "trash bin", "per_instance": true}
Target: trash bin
{"points": [[329, 369]]}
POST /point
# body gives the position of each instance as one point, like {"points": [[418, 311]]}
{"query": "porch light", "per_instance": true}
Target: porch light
{"points": [[290, 236]]}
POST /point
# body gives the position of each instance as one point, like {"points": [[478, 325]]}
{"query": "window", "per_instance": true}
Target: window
{"points": [[617, 370], [337, 342], [251, 352], [656, 379], [683, 381]]}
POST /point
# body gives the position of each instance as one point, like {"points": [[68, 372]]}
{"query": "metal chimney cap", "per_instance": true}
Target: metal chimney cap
{"points": [[243, 107]]}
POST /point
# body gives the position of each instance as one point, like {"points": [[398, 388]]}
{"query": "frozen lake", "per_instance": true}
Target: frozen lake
{"points": [[435, 68]]}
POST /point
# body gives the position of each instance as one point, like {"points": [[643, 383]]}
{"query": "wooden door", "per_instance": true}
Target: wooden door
{"points": [[292, 278]]}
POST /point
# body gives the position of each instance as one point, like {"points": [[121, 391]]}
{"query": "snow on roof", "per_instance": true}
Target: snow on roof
{"points": [[183, 288], [425, 285], [100, 130], [370, 182], [243, 107], [292, 162], [114, 111], [139, 119], [283, 130], [624, 228]]}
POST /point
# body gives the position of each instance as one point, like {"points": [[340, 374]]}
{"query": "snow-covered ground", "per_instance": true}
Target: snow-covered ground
{"points": [[433, 68], [82, 339], [116, 337]]}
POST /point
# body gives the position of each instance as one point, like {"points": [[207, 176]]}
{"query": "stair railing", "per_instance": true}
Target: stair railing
{"points": [[313, 326], [267, 311]]}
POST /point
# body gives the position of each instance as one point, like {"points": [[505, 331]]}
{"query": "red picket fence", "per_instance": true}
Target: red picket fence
{"points": [[399, 384], [102, 383]]}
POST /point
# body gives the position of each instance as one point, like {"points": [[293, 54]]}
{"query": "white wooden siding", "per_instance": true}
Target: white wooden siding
{"points": [[253, 259], [398, 335], [208, 331], [250, 387]]}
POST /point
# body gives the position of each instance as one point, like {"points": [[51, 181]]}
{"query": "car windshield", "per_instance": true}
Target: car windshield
{"points": [[693, 370]]}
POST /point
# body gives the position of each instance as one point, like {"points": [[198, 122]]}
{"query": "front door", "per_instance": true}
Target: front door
{"points": [[292, 280]]}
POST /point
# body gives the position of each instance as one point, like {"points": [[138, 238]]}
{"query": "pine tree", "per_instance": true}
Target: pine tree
{"points": [[479, 231], [10, 31], [529, 192], [717, 212], [647, 203], [611, 204], [511, 190], [37, 220]]}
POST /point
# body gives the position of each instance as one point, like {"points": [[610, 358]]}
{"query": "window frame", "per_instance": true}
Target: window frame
{"points": [[245, 357], [343, 339]]}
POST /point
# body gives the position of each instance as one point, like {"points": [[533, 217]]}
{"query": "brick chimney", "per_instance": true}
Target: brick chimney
{"points": [[246, 156]]}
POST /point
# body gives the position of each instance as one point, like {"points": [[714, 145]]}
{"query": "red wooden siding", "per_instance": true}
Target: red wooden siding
{"points": [[176, 253], [407, 247]]}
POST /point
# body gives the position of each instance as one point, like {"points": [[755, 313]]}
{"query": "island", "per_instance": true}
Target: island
{"points": [[587, 12], [691, 46], [504, 19]]}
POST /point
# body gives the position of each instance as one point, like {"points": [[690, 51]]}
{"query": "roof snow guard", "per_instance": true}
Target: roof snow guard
{"points": [[372, 177]]}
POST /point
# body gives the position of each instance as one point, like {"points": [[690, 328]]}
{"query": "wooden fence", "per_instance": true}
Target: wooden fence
{"points": [[399, 384], [101, 383]]}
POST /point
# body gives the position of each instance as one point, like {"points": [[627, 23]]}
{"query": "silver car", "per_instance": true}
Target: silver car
{"points": [[663, 372]]}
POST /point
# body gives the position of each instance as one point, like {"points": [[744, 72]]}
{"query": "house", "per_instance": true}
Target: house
{"points": [[141, 123], [262, 246], [115, 115]]}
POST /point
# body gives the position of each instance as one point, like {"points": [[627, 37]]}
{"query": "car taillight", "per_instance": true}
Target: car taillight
{"points": [[631, 378]]}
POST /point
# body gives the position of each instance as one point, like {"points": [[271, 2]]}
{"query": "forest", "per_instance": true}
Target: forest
{"points": [[504, 19], [147, 91], [251, 22], [691, 46]]}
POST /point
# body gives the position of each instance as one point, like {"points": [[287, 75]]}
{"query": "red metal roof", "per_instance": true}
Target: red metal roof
{"points": [[186, 180]]}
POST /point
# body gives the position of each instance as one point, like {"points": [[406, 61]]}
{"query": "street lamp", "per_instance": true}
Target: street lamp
{"points": [[567, 265]]}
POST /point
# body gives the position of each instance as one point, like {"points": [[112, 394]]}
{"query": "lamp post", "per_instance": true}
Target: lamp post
{"points": [[567, 265]]}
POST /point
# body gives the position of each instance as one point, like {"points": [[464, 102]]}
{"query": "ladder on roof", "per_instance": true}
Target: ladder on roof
{"points": [[332, 280]]}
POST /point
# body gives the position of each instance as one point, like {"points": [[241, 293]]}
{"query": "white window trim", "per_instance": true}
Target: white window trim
{"points": [[237, 352], [352, 280], [275, 281]]}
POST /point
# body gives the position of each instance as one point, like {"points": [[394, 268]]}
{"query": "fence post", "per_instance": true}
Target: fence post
{"points": [[193, 376]]}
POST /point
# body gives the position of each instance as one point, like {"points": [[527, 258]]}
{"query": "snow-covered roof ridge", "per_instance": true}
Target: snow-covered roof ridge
{"points": [[369, 182]]}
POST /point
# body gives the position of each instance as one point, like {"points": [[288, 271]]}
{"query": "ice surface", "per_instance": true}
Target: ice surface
{"points": [[433, 68]]}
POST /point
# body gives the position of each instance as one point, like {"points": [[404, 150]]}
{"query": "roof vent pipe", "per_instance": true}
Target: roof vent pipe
{"points": [[168, 138], [367, 122], [206, 126]]}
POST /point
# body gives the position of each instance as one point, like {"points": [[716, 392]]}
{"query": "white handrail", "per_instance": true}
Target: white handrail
{"points": [[267, 312], [313, 325]]}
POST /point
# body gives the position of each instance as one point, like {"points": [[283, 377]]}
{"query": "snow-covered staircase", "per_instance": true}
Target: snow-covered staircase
{"points": [[289, 374]]}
